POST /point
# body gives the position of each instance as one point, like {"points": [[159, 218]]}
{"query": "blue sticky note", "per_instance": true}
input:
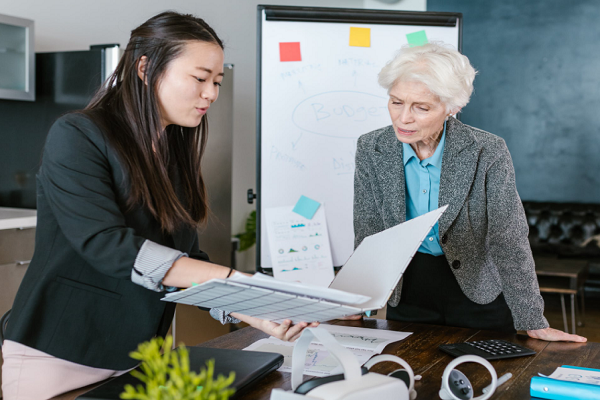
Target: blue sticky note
{"points": [[306, 207]]}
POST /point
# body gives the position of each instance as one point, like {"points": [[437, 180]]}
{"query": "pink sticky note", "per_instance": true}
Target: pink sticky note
{"points": [[289, 51]]}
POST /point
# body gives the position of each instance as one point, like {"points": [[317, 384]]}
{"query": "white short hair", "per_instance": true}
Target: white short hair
{"points": [[447, 73]]}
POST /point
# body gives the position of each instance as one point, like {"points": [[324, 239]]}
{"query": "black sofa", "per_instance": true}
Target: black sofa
{"points": [[564, 230]]}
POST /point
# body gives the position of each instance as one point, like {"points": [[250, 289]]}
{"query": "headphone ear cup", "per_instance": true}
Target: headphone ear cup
{"points": [[401, 374]]}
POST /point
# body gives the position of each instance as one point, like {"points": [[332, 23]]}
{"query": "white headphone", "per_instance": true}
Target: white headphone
{"points": [[388, 357], [455, 384]]}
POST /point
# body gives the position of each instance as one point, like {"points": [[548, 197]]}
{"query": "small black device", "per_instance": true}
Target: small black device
{"points": [[492, 349], [309, 385]]}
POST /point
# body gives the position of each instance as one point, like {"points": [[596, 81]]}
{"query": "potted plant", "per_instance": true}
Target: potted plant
{"points": [[165, 375]]}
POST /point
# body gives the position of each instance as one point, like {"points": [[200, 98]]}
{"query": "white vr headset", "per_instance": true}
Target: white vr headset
{"points": [[353, 384], [358, 383]]}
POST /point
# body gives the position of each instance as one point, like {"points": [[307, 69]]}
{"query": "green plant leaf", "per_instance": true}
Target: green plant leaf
{"points": [[166, 375], [248, 238]]}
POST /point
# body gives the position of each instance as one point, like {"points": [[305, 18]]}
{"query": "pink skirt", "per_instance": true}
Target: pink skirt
{"points": [[29, 374]]}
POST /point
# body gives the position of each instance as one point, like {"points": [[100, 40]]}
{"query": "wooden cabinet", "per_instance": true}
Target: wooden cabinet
{"points": [[17, 240]]}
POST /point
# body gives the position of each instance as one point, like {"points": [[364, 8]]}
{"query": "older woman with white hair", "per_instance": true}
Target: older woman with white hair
{"points": [[475, 268]]}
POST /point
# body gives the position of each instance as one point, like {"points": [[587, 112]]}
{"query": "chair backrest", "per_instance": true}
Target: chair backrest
{"points": [[3, 323]]}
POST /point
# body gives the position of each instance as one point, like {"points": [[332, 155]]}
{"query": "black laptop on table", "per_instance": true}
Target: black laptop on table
{"points": [[249, 367]]}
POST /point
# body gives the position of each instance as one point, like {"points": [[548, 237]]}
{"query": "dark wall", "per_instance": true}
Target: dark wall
{"points": [[538, 87], [65, 82]]}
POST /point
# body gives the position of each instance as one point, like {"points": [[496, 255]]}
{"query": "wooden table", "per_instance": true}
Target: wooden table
{"points": [[420, 350], [563, 276]]}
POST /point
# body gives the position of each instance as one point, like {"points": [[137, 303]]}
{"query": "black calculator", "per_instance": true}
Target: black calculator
{"points": [[489, 349]]}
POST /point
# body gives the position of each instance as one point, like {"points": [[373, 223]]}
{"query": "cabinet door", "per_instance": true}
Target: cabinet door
{"points": [[16, 245], [17, 70], [11, 276]]}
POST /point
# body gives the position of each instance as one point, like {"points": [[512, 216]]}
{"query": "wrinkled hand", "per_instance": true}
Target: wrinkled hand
{"points": [[554, 335], [284, 331]]}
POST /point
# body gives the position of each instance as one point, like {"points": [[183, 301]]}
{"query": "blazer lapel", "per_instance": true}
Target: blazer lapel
{"points": [[389, 171], [459, 164]]}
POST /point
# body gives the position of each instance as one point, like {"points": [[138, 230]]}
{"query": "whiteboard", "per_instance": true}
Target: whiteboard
{"points": [[311, 112]]}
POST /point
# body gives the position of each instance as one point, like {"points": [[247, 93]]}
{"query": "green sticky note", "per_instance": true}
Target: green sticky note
{"points": [[194, 284], [306, 207], [417, 38]]}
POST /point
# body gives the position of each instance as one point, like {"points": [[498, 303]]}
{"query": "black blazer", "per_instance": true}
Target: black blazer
{"points": [[77, 301]]}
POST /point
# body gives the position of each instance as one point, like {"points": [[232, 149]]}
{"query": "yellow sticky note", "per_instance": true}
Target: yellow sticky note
{"points": [[360, 37]]}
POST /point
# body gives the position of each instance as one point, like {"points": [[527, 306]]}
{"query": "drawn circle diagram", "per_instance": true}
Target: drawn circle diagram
{"points": [[317, 246], [280, 251], [304, 248], [341, 114]]}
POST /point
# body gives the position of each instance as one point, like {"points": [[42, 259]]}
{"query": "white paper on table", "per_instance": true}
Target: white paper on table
{"points": [[318, 360], [299, 247], [576, 375], [364, 338], [362, 342]]}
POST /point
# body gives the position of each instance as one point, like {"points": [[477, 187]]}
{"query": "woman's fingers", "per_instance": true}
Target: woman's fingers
{"points": [[352, 317], [552, 335]]}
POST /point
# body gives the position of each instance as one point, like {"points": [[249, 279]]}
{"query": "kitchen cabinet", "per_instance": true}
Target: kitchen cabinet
{"points": [[17, 240], [17, 59]]}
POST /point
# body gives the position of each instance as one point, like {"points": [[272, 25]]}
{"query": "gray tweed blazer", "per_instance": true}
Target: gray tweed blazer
{"points": [[483, 232]]}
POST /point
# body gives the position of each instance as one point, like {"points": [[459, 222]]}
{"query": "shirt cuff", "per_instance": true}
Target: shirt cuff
{"points": [[223, 316], [151, 265]]}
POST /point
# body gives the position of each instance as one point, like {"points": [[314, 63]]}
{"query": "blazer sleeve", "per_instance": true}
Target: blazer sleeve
{"points": [[509, 247], [367, 217], [77, 179]]}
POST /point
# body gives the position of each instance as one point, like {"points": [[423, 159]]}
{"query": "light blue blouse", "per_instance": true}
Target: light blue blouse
{"points": [[423, 189]]}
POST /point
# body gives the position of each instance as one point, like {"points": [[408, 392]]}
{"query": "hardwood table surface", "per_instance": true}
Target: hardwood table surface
{"points": [[421, 351]]}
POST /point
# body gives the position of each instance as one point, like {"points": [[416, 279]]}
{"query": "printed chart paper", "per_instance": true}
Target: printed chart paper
{"points": [[299, 246], [362, 342]]}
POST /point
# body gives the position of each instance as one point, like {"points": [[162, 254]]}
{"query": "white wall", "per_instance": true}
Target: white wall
{"points": [[62, 25]]}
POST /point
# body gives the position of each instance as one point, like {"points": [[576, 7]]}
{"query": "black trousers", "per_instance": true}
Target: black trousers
{"points": [[431, 295]]}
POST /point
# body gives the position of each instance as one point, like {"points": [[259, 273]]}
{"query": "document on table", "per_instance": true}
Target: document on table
{"points": [[580, 375], [362, 342], [365, 282]]}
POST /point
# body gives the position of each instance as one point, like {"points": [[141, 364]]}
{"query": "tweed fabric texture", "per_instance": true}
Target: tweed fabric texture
{"points": [[483, 232]]}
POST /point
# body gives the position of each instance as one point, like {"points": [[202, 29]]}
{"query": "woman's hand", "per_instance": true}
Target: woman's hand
{"points": [[351, 317], [554, 335], [284, 331]]}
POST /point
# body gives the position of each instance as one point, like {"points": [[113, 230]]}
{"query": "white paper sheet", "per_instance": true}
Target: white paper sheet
{"points": [[300, 250], [362, 342], [364, 283], [576, 375]]}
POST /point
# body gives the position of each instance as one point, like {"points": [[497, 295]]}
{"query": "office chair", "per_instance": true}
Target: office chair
{"points": [[3, 323]]}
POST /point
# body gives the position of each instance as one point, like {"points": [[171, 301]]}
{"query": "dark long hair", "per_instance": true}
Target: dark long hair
{"points": [[128, 112]]}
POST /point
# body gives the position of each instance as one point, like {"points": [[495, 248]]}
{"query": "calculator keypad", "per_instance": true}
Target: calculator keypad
{"points": [[488, 349]]}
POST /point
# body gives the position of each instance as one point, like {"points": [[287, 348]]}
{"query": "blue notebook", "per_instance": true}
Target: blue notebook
{"points": [[582, 384]]}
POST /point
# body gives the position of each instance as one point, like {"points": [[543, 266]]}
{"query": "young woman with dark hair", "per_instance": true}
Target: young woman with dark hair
{"points": [[120, 196]]}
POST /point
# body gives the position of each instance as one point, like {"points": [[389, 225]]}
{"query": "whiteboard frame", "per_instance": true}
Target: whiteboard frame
{"points": [[331, 15]]}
